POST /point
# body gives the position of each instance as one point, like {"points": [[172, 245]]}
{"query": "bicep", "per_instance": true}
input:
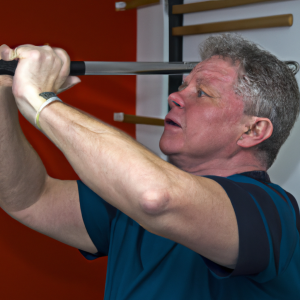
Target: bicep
{"points": [[201, 217], [219, 237], [57, 214]]}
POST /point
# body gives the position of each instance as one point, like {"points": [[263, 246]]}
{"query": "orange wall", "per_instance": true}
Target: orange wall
{"points": [[34, 266]]}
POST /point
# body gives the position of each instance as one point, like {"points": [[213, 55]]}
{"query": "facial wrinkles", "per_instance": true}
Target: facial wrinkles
{"points": [[225, 87], [219, 84], [223, 109], [211, 79], [201, 84]]}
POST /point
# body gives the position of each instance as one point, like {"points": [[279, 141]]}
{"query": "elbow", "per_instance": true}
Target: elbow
{"points": [[155, 202]]}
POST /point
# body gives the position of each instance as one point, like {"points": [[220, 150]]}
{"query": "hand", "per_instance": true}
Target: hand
{"points": [[40, 69]]}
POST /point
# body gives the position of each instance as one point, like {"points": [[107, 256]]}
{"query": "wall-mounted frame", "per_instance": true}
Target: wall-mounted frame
{"points": [[175, 44]]}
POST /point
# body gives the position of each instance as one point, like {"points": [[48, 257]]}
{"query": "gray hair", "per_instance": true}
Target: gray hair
{"points": [[268, 87]]}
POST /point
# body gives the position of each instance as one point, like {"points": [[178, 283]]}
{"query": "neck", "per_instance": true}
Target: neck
{"points": [[244, 161]]}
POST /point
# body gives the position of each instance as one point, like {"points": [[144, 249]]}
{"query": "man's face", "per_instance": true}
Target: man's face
{"points": [[206, 116]]}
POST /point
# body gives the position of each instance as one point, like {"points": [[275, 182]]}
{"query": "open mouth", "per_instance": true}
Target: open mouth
{"points": [[170, 122]]}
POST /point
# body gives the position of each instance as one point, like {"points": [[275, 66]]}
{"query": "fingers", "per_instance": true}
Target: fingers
{"points": [[65, 59], [65, 68], [39, 69], [46, 53], [5, 52], [5, 80], [41, 53], [46, 68]]}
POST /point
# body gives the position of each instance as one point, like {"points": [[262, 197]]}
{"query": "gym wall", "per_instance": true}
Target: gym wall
{"points": [[152, 90], [34, 266], [284, 42]]}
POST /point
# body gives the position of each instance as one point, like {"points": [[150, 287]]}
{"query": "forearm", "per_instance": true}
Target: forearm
{"points": [[22, 173], [116, 167], [111, 163]]}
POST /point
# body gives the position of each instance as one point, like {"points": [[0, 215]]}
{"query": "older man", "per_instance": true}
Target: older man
{"points": [[210, 225]]}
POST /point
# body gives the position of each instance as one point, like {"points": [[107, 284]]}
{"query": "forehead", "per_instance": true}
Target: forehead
{"points": [[215, 70]]}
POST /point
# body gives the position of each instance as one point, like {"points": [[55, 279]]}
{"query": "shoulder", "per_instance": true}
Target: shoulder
{"points": [[267, 218]]}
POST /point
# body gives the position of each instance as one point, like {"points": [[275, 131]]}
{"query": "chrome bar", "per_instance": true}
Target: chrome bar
{"points": [[138, 68]]}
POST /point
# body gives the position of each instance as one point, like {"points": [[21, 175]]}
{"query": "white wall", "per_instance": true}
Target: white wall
{"points": [[284, 42], [152, 90]]}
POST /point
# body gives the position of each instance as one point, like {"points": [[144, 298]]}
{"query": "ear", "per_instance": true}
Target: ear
{"points": [[260, 130]]}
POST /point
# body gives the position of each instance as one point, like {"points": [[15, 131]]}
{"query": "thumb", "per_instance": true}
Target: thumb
{"points": [[70, 82], [7, 53]]}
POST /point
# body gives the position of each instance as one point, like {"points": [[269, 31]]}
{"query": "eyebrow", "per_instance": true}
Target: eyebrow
{"points": [[199, 81], [185, 84], [204, 82]]}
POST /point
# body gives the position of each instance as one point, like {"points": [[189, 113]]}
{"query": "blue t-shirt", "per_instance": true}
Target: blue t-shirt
{"points": [[145, 266]]}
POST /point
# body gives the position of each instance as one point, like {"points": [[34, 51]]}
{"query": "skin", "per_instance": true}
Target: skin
{"points": [[211, 122], [169, 200]]}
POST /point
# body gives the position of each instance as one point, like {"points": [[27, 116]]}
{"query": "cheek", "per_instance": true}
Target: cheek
{"points": [[234, 109], [204, 127], [216, 121], [206, 117]]}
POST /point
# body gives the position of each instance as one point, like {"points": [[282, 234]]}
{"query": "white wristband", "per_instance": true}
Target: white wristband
{"points": [[37, 116]]}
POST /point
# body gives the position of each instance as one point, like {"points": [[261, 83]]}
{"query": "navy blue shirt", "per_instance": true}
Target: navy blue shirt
{"points": [[145, 266]]}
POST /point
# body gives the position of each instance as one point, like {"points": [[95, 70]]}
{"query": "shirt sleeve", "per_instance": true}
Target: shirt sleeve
{"points": [[267, 229], [97, 217]]}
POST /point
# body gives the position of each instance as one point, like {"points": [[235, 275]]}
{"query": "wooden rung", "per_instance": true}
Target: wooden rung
{"points": [[130, 4], [264, 22], [210, 5], [121, 117]]}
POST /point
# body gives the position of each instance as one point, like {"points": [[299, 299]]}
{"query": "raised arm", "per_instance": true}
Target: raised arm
{"points": [[190, 210], [27, 193], [17, 157], [165, 200]]}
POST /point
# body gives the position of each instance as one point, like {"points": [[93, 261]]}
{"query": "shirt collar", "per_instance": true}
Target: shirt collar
{"points": [[257, 175]]}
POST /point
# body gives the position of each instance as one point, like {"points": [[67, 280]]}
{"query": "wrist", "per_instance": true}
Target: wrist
{"points": [[37, 101], [5, 81], [49, 97], [31, 98]]}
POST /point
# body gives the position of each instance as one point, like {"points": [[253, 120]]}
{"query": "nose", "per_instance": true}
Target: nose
{"points": [[175, 100]]}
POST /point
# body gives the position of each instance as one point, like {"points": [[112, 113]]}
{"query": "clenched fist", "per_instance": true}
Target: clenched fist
{"points": [[40, 69]]}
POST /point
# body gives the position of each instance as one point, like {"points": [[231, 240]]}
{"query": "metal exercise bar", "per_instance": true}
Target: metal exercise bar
{"points": [[79, 68], [114, 68]]}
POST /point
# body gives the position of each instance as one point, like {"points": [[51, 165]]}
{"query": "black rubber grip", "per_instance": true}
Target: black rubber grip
{"points": [[8, 67], [77, 68]]}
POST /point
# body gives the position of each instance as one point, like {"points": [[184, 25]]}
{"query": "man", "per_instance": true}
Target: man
{"points": [[168, 231]]}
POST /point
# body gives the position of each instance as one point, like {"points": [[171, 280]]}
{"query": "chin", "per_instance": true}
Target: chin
{"points": [[164, 145], [168, 147]]}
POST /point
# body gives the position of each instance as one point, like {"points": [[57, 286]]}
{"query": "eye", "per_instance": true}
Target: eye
{"points": [[201, 93]]}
